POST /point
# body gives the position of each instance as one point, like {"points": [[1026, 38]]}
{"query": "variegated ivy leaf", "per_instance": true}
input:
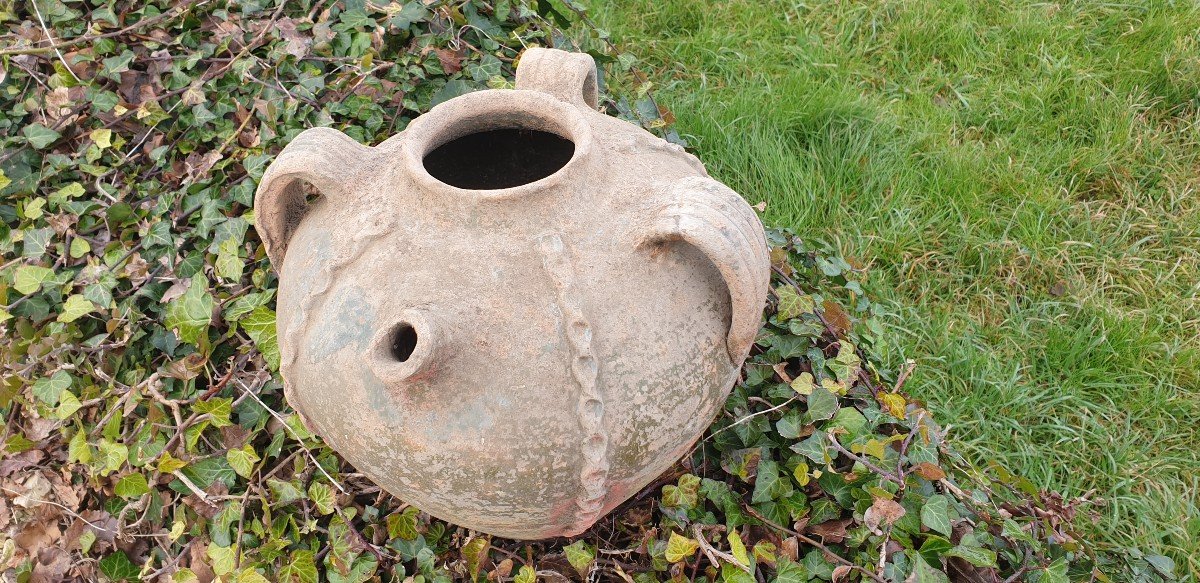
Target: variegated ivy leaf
{"points": [[191, 313]]}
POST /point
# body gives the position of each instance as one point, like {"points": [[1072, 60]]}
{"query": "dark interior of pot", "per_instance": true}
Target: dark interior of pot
{"points": [[500, 158], [404, 342]]}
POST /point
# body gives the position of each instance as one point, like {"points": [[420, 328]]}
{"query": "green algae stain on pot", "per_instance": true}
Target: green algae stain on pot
{"points": [[347, 324]]}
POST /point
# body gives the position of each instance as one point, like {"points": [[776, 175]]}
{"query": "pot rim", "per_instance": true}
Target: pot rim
{"points": [[492, 109]]}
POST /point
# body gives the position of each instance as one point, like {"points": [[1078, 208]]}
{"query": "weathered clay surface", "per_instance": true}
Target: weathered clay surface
{"points": [[574, 335]]}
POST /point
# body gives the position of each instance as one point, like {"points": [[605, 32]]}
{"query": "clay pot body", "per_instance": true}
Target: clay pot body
{"points": [[518, 359]]}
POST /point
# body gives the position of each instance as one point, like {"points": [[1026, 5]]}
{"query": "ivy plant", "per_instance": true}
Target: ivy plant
{"points": [[145, 432]]}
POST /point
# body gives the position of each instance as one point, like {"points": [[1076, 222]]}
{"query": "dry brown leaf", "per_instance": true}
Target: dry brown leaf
{"points": [[884, 512], [21, 461], [39, 532], [929, 471], [832, 531], [451, 60], [790, 548], [51, 566], [501, 571], [836, 317], [297, 43], [198, 562]]}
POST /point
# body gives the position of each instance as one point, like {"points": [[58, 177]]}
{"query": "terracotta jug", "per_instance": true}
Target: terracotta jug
{"points": [[517, 312]]}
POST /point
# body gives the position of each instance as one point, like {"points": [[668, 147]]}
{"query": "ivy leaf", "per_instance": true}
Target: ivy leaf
{"points": [[112, 456], [62, 195], [403, 524], [40, 136], [923, 573], [75, 308], [935, 514], [218, 408], [581, 556], [191, 313], [801, 474], [302, 568], [78, 449], [251, 575], [131, 486], [285, 492], [49, 389], [360, 571], [526, 575], [738, 548], [244, 305], [474, 552], [684, 495], [86, 540], [792, 304], [205, 472], [894, 404], [33, 208], [1055, 573], [18, 444], [223, 559], [28, 279], [934, 547], [846, 364], [102, 137], [822, 404], [168, 464], [804, 383], [978, 556], [769, 485], [259, 324], [118, 567], [680, 547], [1163, 564], [80, 247], [789, 571], [851, 421], [814, 448], [322, 496], [731, 573], [185, 575], [790, 425], [36, 242], [242, 460], [1013, 531], [229, 264]]}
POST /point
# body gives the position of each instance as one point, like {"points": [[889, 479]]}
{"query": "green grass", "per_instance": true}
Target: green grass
{"points": [[1023, 180]]}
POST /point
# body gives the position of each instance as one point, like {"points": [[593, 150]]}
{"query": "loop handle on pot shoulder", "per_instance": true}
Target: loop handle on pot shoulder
{"points": [[716, 220], [329, 160], [570, 77]]}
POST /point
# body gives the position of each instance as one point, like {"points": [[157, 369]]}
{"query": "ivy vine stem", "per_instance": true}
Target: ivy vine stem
{"points": [[812, 542], [88, 39]]}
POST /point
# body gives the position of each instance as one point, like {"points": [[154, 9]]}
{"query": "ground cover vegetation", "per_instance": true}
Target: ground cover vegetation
{"points": [[145, 433], [1021, 179]]}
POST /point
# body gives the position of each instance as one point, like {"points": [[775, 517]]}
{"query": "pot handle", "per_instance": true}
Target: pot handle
{"points": [[716, 220], [329, 160], [570, 77]]}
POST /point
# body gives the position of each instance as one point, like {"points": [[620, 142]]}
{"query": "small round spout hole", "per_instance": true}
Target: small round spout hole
{"points": [[404, 342]]}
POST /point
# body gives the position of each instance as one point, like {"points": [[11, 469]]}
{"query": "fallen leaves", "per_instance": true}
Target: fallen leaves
{"points": [[141, 374], [883, 512]]}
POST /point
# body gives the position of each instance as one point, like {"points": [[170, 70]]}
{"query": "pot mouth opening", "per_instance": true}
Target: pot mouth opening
{"points": [[496, 159], [496, 143]]}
